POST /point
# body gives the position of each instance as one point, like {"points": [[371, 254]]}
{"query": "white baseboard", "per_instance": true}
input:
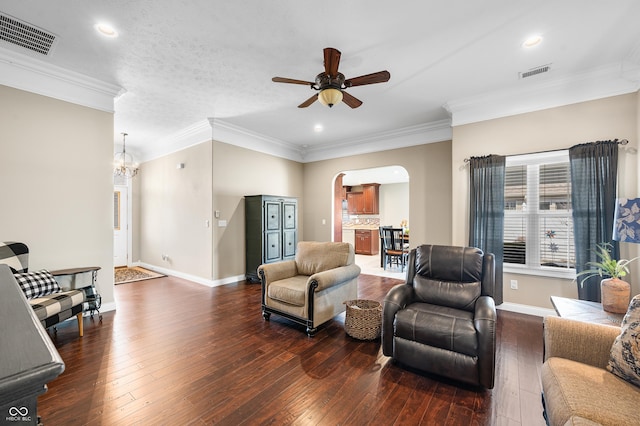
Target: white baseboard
{"points": [[106, 307], [193, 278], [526, 309]]}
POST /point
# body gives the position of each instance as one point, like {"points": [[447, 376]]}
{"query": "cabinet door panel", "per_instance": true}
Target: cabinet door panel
{"points": [[371, 203], [355, 202], [272, 247], [289, 246], [273, 216], [289, 213]]}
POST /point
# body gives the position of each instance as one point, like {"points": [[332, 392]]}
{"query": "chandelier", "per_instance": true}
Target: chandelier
{"points": [[123, 164]]}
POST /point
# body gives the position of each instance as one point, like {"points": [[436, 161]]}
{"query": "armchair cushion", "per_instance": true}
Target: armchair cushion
{"points": [[58, 307], [438, 326], [292, 290], [313, 257], [440, 282], [37, 284], [575, 389], [456, 295]]}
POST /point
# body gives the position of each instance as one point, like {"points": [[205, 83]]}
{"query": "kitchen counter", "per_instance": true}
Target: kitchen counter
{"points": [[361, 226]]}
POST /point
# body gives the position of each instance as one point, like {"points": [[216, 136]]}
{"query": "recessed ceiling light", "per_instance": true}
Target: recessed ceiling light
{"points": [[318, 128], [532, 41], [106, 30]]}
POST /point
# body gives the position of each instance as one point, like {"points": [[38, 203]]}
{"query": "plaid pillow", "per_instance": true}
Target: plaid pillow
{"points": [[37, 284]]}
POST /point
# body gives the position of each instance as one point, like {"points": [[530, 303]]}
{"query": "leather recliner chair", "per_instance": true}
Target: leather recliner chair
{"points": [[443, 319]]}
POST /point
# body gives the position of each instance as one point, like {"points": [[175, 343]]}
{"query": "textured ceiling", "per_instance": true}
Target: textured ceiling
{"points": [[182, 62]]}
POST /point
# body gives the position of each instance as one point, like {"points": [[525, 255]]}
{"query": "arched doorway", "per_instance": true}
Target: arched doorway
{"points": [[354, 191]]}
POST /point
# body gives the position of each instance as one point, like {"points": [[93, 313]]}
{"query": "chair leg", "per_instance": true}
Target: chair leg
{"points": [[80, 324]]}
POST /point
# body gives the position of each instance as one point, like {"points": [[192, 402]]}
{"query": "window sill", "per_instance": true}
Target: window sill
{"points": [[568, 274]]}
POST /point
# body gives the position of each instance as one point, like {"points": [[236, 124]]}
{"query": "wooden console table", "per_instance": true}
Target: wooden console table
{"points": [[583, 310]]}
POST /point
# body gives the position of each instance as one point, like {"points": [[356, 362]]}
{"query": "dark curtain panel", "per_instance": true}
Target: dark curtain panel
{"points": [[594, 168], [486, 206]]}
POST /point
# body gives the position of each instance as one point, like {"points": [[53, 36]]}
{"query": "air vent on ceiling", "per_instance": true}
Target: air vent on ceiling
{"points": [[25, 35], [535, 71]]}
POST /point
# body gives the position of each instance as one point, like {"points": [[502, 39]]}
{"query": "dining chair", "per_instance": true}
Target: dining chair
{"points": [[395, 246]]}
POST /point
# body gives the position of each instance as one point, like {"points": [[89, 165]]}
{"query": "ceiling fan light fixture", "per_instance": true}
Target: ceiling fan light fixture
{"points": [[330, 97]]}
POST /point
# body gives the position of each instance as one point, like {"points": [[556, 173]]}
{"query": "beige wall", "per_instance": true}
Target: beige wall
{"points": [[175, 203], [429, 168], [57, 183], [556, 128], [394, 204], [174, 207], [238, 172]]}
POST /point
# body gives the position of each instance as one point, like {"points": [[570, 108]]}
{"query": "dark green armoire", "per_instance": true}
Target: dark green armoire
{"points": [[271, 231]]}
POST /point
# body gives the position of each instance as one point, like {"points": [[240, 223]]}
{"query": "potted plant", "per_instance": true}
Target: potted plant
{"points": [[615, 293]]}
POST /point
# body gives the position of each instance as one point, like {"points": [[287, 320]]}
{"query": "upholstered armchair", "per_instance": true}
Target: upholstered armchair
{"points": [[311, 289], [443, 319], [50, 302]]}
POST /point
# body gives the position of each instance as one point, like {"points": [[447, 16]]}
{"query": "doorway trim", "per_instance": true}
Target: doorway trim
{"points": [[129, 213]]}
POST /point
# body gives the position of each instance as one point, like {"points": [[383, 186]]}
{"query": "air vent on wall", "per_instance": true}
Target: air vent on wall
{"points": [[25, 35], [535, 71]]}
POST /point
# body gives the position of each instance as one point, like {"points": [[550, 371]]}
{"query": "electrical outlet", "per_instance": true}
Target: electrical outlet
{"points": [[514, 284]]}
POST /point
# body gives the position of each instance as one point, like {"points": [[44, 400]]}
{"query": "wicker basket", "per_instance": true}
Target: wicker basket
{"points": [[363, 319]]}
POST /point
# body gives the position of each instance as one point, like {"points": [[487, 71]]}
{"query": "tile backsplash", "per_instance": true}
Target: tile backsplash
{"points": [[371, 221]]}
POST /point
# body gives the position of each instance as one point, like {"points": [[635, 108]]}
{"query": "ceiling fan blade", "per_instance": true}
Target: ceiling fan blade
{"points": [[308, 101], [290, 80], [350, 100], [376, 77], [331, 61]]}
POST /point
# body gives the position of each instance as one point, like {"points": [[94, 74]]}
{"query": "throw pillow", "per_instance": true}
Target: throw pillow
{"points": [[37, 284], [625, 352]]}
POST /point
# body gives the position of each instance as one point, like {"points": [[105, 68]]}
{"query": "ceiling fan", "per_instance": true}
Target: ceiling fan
{"points": [[330, 84]]}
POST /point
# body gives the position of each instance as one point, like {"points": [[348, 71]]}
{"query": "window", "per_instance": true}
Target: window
{"points": [[538, 226]]}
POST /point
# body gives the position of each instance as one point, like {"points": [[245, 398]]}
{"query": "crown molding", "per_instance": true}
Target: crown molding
{"points": [[420, 134], [222, 131], [195, 134], [245, 138], [219, 130], [606, 81], [36, 76]]}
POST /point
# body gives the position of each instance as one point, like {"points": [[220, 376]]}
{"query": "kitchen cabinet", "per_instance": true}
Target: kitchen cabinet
{"points": [[371, 193], [271, 226], [367, 241], [365, 201], [355, 202]]}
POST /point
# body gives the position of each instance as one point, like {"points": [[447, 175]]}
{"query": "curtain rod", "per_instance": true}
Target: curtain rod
{"points": [[619, 142]]}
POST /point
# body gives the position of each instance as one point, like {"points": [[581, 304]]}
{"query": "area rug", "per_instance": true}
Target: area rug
{"points": [[129, 275]]}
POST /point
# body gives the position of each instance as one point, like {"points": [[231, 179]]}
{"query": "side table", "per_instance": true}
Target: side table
{"points": [[93, 298], [583, 310]]}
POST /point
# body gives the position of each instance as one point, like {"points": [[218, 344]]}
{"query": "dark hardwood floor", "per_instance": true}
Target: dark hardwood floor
{"points": [[178, 353]]}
